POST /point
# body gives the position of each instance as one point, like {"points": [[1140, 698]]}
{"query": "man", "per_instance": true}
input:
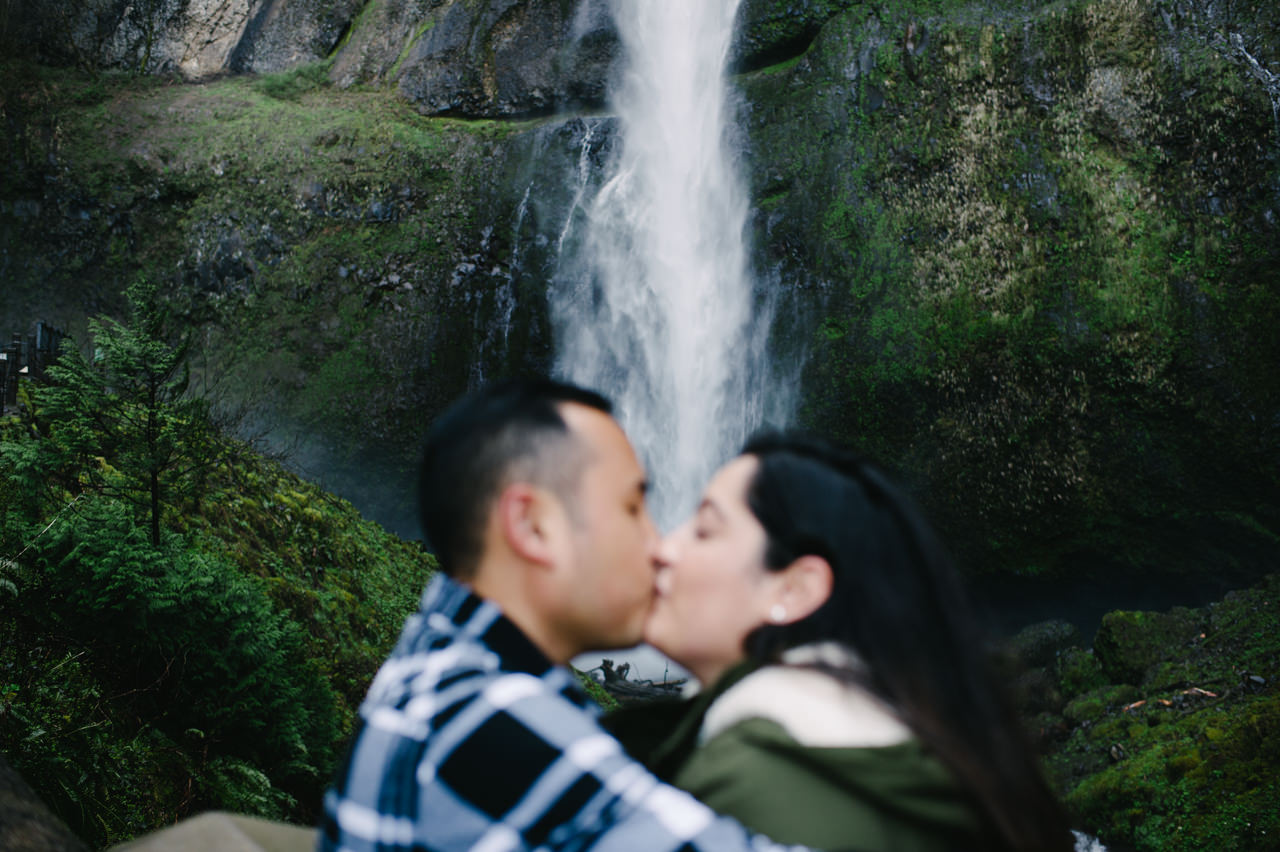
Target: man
{"points": [[474, 733]]}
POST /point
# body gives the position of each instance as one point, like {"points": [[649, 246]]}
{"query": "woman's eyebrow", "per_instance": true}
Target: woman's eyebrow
{"points": [[710, 505]]}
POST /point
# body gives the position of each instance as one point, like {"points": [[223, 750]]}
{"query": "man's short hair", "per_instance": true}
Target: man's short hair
{"points": [[506, 431]]}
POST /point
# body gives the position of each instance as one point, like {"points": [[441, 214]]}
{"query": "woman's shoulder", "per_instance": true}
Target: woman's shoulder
{"points": [[804, 758], [812, 706]]}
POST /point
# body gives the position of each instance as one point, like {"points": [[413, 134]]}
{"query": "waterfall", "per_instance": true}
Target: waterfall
{"points": [[653, 303], [1087, 843]]}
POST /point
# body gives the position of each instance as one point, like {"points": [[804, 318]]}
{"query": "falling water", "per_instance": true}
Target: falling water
{"points": [[656, 305]]}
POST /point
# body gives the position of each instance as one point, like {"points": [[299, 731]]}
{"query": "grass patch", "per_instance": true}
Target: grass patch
{"points": [[293, 84]]}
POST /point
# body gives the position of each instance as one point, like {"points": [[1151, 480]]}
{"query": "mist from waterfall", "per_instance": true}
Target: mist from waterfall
{"points": [[654, 304]]}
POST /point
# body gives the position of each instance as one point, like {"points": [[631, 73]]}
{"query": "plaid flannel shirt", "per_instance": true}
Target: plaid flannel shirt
{"points": [[471, 738]]}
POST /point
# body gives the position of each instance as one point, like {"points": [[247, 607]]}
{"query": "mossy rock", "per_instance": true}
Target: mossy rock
{"points": [[1018, 235], [773, 31], [1079, 671], [1128, 644], [1243, 629], [1084, 709], [1187, 759], [1097, 703]]}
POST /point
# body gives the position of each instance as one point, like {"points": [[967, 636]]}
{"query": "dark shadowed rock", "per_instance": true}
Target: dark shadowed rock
{"points": [[1035, 691], [26, 825], [496, 59], [772, 31], [283, 34], [1039, 644]]}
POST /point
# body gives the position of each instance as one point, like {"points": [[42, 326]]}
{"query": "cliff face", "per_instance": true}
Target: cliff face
{"points": [[343, 257], [1031, 250], [1049, 239], [195, 38], [497, 58]]}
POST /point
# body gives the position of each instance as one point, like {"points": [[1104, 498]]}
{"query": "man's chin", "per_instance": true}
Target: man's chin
{"points": [[620, 642]]}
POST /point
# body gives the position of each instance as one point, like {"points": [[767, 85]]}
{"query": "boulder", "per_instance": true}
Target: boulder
{"points": [[1039, 644], [225, 832], [283, 34], [1128, 644], [26, 825]]}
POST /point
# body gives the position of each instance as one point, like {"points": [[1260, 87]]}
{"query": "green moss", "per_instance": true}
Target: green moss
{"points": [[780, 67], [597, 692], [425, 27], [1079, 671], [1084, 708], [1162, 796], [1128, 644], [293, 220], [293, 84], [1005, 224], [1186, 761], [357, 24]]}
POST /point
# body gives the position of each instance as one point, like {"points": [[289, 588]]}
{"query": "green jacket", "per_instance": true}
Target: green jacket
{"points": [[871, 798]]}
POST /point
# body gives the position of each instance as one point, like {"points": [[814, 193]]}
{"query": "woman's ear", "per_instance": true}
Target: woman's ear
{"points": [[805, 585]]}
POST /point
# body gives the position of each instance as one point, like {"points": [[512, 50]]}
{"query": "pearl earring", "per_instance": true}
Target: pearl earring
{"points": [[778, 613]]}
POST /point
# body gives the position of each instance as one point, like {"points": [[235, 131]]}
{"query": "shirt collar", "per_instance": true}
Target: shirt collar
{"points": [[482, 620]]}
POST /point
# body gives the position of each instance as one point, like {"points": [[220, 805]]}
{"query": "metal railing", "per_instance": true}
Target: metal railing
{"points": [[26, 356]]}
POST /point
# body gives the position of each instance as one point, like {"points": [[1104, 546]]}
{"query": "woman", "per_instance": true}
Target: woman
{"points": [[847, 701]]}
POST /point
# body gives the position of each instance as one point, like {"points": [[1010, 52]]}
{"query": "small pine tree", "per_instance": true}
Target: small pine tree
{"points": [[123, 418]]}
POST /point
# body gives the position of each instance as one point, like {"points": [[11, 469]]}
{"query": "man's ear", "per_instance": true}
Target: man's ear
{"points": [[523, 513], [804, 585]]}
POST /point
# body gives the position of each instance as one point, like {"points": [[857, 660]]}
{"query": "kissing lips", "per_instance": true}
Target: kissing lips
{"points": [[662, 582]]}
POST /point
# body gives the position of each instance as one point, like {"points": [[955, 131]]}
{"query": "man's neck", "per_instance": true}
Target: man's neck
{"points": [[504, 589]]}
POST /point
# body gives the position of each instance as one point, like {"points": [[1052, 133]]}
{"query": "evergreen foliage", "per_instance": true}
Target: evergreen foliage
{"points": [[122, 421], [150, 670]]}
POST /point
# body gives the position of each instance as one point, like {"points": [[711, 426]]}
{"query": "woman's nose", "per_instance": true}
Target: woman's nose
{"points": [[664, 552]]}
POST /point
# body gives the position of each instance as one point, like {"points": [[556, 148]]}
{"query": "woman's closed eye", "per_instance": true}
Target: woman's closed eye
{"points": [[706, 521]]}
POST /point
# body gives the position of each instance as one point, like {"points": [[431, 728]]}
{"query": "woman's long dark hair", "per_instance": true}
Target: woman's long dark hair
{"points": [[897, 602]]}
